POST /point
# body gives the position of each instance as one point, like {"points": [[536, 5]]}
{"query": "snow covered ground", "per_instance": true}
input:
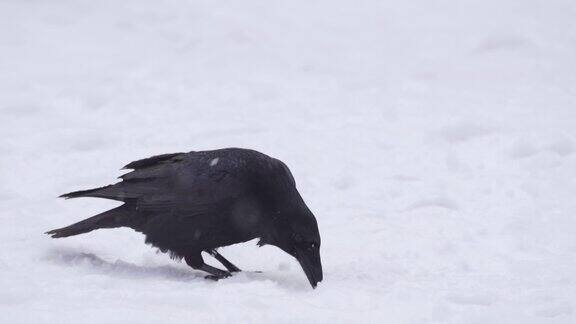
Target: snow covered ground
{"points": [[434, 140]]}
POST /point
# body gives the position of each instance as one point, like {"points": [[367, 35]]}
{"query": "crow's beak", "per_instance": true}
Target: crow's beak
{"points": [[309, 259]]}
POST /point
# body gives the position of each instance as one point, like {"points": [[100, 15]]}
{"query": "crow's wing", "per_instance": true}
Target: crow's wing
{"points": [[145, 170], [189, 183]]}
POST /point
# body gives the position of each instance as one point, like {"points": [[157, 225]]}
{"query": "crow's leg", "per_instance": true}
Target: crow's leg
{"points": [[196, 262], [229, 266]]}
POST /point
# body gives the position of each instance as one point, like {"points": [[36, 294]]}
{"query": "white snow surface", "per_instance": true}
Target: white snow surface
{"points": [[435, 141]]}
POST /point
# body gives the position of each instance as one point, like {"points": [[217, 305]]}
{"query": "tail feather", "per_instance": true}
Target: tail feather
{"points": [[117, 217], [84, 193]]}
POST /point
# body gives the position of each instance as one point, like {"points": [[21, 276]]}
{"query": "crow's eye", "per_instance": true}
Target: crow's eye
{"points": [[313, 245]]}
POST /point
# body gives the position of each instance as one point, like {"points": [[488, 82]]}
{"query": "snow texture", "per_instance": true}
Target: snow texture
{"points": [[434, 140]]}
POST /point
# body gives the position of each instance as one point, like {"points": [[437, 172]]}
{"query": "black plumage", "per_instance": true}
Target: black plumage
{"points": [[187, 203]]}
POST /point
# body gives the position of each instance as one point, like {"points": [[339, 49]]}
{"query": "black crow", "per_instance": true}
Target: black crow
{"points": [[187, 203]]}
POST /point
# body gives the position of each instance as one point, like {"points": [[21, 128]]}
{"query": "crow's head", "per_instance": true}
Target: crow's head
{"points": [[291, 226], [302, 241], [296, 233]]}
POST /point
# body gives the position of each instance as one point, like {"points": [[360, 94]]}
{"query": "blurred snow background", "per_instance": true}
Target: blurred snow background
{"points": [[434, 140]]}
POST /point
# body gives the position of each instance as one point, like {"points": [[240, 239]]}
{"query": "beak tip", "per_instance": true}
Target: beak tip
{"points": [[314, 283]]}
